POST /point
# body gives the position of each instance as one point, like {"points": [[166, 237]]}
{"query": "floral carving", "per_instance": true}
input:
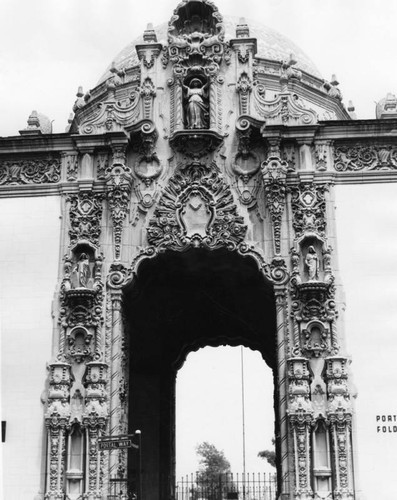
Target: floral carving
{"points": [[119, 180], [354, 157], [274, 172], [40, 171], [85, 217], [196, 209], [309, 208]]}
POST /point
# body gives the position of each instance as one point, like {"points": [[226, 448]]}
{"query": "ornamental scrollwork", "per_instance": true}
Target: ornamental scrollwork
{"points": [[286, 108], [351, 158], [309, 208], [196, 42], [196, 209], [244, 88], [85, 217], [40, 171], [110, 116], [274, 173]]}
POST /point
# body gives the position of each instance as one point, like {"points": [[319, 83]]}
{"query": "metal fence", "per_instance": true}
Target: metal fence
{"points": [[260, 486]]}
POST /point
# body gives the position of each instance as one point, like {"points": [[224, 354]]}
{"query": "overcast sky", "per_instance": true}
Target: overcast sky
{"points": [[50, 47]]}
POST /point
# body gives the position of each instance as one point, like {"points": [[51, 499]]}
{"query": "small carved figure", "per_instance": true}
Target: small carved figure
{"points": [[311, 262], [82, 270], [197, 105]]}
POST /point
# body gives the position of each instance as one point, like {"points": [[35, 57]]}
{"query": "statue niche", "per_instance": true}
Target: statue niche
{"points": [[196, 104]]}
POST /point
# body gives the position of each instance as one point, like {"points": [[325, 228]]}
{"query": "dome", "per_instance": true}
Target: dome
{"points": [[271, 45]]}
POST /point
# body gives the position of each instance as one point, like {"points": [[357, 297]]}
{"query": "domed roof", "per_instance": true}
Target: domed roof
{"points": [[271, 45]]}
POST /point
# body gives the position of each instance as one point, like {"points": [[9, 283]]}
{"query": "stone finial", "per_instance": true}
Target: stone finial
{"points": [[33, 120], [332, 88], [334, 80], [292, 60], [37, 124], [387, 107], [242, 29], [149, 35], [80, 102], [351, 110]]}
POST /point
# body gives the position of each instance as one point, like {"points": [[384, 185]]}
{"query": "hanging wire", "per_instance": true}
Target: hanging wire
{"points": [[243, 413]]}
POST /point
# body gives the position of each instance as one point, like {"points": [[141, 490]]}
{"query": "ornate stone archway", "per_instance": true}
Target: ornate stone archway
{"points": [[149, 182]]}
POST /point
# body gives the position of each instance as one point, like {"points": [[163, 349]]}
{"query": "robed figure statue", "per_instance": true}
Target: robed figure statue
{"points": [[196, 108]]}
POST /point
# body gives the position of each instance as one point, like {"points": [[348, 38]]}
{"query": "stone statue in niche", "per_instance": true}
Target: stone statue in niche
{"points": [[311, 263], [82, 272], [196, 107]]}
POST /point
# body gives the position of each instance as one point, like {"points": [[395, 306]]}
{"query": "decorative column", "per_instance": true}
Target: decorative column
{"points": [[117, 422], [57, 420], [300, 414], [279, 275], [339, 413], [94, 420]]}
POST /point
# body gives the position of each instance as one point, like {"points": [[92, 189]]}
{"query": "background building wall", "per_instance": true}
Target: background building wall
{"points": [[29, 255], [366, 219]]}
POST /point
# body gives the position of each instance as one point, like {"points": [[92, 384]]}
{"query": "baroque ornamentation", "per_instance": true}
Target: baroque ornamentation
{"points": [[274, 173], [148, 92], [110, 116], [300, 412], [39, 171], [85, 217], [72, 166], [285, 109], [339, 413], [309, 208], [197, 43], [119, 180], [354, 157], [288, 153], [102, 164], [57, 420], [321, 149], [196, 209], [244, 88]]}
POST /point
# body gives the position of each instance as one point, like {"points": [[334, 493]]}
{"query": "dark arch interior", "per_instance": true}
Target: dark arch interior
{"points": [[179, 302]]}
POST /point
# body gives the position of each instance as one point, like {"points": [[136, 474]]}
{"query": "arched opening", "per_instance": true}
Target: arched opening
{"points": [[229, 406], [178, 303]]}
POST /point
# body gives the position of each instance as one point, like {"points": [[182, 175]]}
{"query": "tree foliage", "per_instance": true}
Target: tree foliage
{"points": [[269, 455], [212, 462]]}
